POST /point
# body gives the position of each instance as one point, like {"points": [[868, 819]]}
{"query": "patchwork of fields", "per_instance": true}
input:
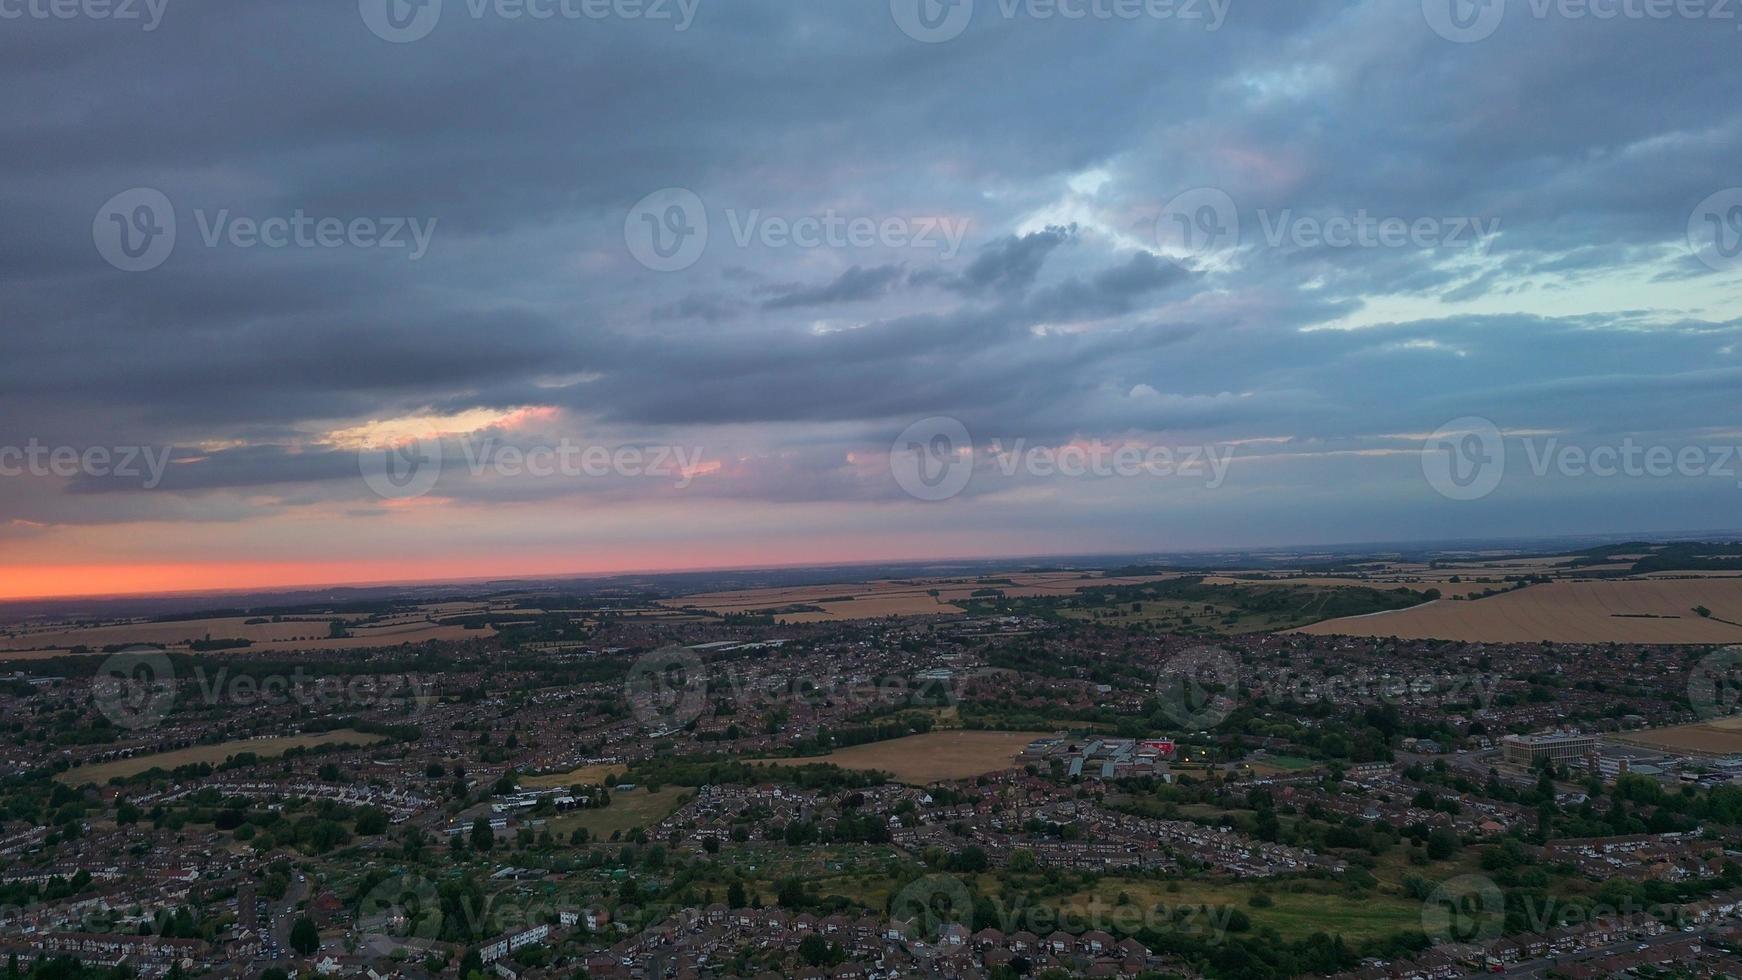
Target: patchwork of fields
{"points": [[876, 600]]}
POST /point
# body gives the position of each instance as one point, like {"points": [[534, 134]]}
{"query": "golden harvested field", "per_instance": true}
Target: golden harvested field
{"points": [[935, 756], [44, 643], [102, 772], [584, 776], [1627, 611], [906, 597], [1720, 736]]}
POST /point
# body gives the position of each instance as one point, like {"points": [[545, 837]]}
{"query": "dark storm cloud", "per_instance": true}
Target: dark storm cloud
{"points": [[1011, 265], [856, 285]]}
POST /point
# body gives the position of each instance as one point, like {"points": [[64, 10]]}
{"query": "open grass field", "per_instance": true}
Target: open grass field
{"points": [[636, 809], [1720, 736], [584, 776], [934, 756], [1294, 915], [1278, 765], [102, 772], [1625, 611]]}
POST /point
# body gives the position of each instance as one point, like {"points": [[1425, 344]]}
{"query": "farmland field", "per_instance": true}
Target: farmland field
{"points": [[310, 633], [1721, 736], [934, 756], [100, 773], [1629, 611]]}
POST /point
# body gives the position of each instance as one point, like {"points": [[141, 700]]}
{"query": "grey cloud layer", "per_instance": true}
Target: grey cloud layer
{"points": [[1590, 142]]}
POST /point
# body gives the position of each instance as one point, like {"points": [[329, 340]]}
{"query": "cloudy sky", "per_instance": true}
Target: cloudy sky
{"points": [[308, 291]]}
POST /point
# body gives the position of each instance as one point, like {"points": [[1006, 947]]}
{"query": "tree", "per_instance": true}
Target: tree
{"points": [[817, 951], [1441, 844], [304, 937], [735, 895], [371, 820], [482, 836]]}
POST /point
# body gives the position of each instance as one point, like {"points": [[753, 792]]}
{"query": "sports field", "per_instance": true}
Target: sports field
{"points": [[935, 756], [1720, 736]]}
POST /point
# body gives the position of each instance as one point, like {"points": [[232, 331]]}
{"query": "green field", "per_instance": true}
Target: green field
{"points": [[634, 810], [1294, 915]]}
